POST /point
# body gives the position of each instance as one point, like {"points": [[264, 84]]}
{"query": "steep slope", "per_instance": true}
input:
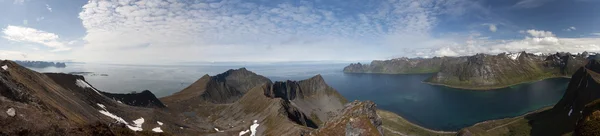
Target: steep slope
{"points": [[356, 119], [312, 96], [575, 114], [399, 66], [223, 88], [36, 104], [275, 115], [482, 71], [142, 99]]}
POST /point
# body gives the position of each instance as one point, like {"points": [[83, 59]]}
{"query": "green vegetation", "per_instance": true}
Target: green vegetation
{"points": [[394, 125]]}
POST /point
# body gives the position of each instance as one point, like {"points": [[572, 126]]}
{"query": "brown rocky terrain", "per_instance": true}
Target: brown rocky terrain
{"points": [[233, 103]]}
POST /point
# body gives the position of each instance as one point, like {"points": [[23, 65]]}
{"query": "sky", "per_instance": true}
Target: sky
{"points": [[150, 31]]}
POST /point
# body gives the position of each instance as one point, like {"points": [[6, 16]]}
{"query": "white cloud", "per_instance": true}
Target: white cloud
{"points": [[542, 41], [30, 35], [572, 28], [213, 31], [48, 7], [20, 2], [596, 34], [493, 27], [538, 33]]}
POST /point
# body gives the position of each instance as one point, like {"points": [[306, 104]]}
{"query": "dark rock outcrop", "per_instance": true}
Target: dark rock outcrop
{"points": [[141, 99]]}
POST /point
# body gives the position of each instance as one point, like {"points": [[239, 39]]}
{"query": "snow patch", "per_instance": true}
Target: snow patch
{"points": [[11, 112], [157, 129], [113, 116], [137, 123], [570, 112], [5, 67], [84, 84], [514, 56], [120, 102], [101, 106], [159, 123], [538, 53], [244, 132], [216, 129], [252, 129]]}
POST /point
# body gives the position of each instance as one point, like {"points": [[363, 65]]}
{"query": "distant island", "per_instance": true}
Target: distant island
{"points": [[40, 64], [480, 71]]}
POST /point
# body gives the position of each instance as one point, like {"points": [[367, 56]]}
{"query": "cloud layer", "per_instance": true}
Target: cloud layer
{"points": [[244, 31], [30, 35]]}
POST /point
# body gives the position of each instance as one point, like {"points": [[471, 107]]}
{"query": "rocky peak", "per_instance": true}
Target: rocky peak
{"points": [[356, 119]]}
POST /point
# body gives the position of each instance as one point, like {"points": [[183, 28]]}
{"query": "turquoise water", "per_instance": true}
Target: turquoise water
{"points": [[434, 107]]}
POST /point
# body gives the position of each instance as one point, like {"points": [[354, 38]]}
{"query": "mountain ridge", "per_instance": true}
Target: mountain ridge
{"points": [[481, 71]]}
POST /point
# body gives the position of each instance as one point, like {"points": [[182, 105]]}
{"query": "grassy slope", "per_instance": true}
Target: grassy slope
{"points": [[394, 125]]}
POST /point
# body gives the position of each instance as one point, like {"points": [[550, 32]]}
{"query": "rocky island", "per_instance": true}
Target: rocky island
{"points": [[481, 71]]}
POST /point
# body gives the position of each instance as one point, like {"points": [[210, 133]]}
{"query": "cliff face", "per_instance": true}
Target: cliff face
{"points": [[484, 71], [312, 96], [399, 66]]}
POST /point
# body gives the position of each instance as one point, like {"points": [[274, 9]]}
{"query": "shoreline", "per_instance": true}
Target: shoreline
{"points": [[419, 126], [491, 88], [515, 119], [474, 125]]}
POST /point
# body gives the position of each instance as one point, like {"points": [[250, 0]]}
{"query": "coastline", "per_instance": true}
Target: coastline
{"points": [[504, 122], [492, 87]]}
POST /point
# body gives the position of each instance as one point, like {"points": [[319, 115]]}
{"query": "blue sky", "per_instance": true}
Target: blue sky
{"points": [[146, 31]]}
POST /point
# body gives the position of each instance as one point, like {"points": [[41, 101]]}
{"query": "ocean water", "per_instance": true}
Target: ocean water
{"points": [[434, 107]]}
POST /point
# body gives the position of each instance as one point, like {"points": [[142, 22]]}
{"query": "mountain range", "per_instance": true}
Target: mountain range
{"points": [[237, 102], [480, 71], [240, 102]]}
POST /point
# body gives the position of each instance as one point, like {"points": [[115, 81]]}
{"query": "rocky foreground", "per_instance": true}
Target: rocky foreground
{"points": [[481, 71], [237, 102]]}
